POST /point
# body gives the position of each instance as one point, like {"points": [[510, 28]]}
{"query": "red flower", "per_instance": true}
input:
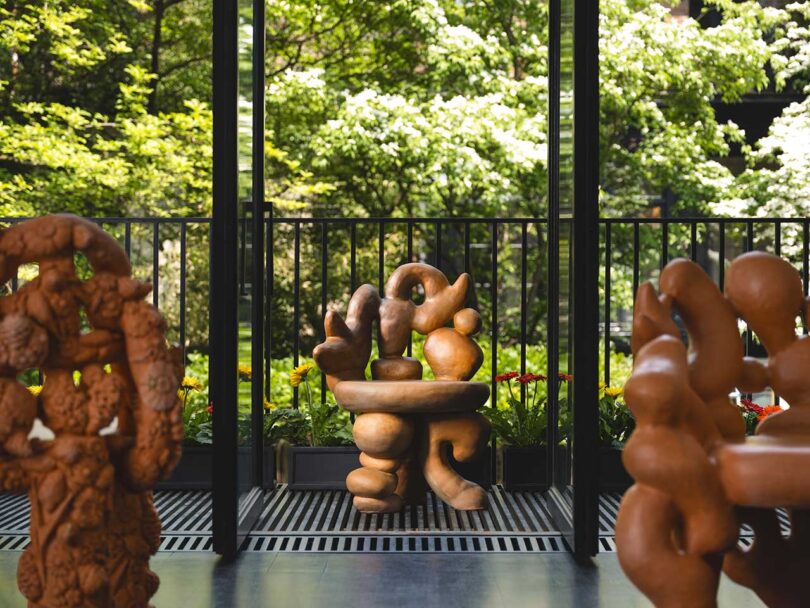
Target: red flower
{"points": [[750, 406], [565, 377], [210, 408], [526, 378], [506, 377]]}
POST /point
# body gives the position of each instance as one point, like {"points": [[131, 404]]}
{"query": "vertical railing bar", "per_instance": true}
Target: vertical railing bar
{"points": [[806, 264], [636, 257], [524, 246], [353, 257], [608, 262], [777, 228], [494, 329], [270, 270], [155, 264], [128, 238], [381, 257], [749, 246], [296, 303], [410, 259], [439, 245], [721, 271], [693, 237], [749, 236], [777, 245], [183, 270], [467, 247], [664, 244], [324, 288], [410, 242]]}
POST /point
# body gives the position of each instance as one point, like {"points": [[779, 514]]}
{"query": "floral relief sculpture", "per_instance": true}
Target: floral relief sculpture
{"points": [[93, 522]]}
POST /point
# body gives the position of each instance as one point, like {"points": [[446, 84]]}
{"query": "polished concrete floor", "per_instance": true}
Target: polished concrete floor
{"points": [[296, 580]]}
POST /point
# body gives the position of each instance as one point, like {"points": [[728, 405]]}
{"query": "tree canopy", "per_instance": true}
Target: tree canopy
{"points": [[410, 107], [104, 107]]}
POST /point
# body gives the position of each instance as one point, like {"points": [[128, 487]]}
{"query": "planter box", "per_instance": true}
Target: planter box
{"points": [[326, 468], [322, 468], [194, 471], [525, 469], [478, 471], [612, 475]]}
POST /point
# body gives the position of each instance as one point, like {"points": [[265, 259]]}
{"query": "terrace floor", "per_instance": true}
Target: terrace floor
{"points": [[314, 549], [360, 580]]}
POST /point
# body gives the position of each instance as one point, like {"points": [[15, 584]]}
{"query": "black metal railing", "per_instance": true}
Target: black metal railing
{"points": [[711, 242], [373, 247], [316, 264]]}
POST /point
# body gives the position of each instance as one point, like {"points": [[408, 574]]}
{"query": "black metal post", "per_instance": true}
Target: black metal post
{"points": [[223, 329], [586, 277], [257, 305]]}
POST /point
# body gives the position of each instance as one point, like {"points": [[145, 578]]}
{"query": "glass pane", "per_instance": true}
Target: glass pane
{"points": [[246, 477]]}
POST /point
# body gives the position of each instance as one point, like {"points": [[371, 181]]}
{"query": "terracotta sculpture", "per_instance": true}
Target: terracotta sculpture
{"points": [[698, 478], [406, 425], [93, 524]]}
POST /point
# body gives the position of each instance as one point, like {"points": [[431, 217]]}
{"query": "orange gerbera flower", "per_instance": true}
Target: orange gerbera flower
{"points": [[768, 410]]}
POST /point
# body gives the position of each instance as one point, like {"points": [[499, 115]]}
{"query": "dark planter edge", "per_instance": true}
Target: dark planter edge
{"points": [[540, 485], [193, 457], [613, 477], [315, 452]]}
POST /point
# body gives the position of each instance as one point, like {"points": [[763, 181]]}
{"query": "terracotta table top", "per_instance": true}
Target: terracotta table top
{"points": [[766, 471], [411, 396]]}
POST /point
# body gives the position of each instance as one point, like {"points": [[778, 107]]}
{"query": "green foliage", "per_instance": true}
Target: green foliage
{"points": [[523, 423], [616, 423], [776, 181], [318, 422], [194, 392], [91, 117], [286, 423]]}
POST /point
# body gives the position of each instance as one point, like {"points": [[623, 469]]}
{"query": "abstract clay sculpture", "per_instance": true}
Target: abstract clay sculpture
{"points": [[406, 427], [698, 478], [93, 523]]}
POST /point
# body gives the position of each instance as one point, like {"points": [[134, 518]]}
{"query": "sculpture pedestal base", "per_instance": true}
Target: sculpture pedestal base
{"points": [[403, 453]]}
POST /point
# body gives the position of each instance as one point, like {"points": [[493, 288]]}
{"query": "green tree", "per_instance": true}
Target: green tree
{"points": [[103, 108]]}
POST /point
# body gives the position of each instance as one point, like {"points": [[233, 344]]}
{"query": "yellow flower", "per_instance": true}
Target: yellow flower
{"points": [[299, 374], [613, 391], [269, 406], [245, 373], [35, 390], [191, 384]]}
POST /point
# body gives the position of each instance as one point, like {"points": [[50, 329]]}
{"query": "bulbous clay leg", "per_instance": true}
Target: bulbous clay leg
{"points": [[383, 440], [467, 434], [412, 486], [774, 567], [646, 531]]}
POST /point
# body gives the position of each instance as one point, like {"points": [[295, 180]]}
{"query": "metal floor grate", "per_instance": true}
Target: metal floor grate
{"points": [[325, 512], [326, 521]]}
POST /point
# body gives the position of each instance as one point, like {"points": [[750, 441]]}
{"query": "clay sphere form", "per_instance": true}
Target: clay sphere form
{"points": [[451, 353], [383, 435]]}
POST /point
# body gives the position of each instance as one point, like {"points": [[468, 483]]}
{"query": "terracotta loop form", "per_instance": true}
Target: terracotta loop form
{"points": [[698, 477]]}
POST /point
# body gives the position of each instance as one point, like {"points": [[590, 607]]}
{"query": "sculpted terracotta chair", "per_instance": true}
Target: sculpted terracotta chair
{"points": [[93, 524], [406, 425], [698, 478]]}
